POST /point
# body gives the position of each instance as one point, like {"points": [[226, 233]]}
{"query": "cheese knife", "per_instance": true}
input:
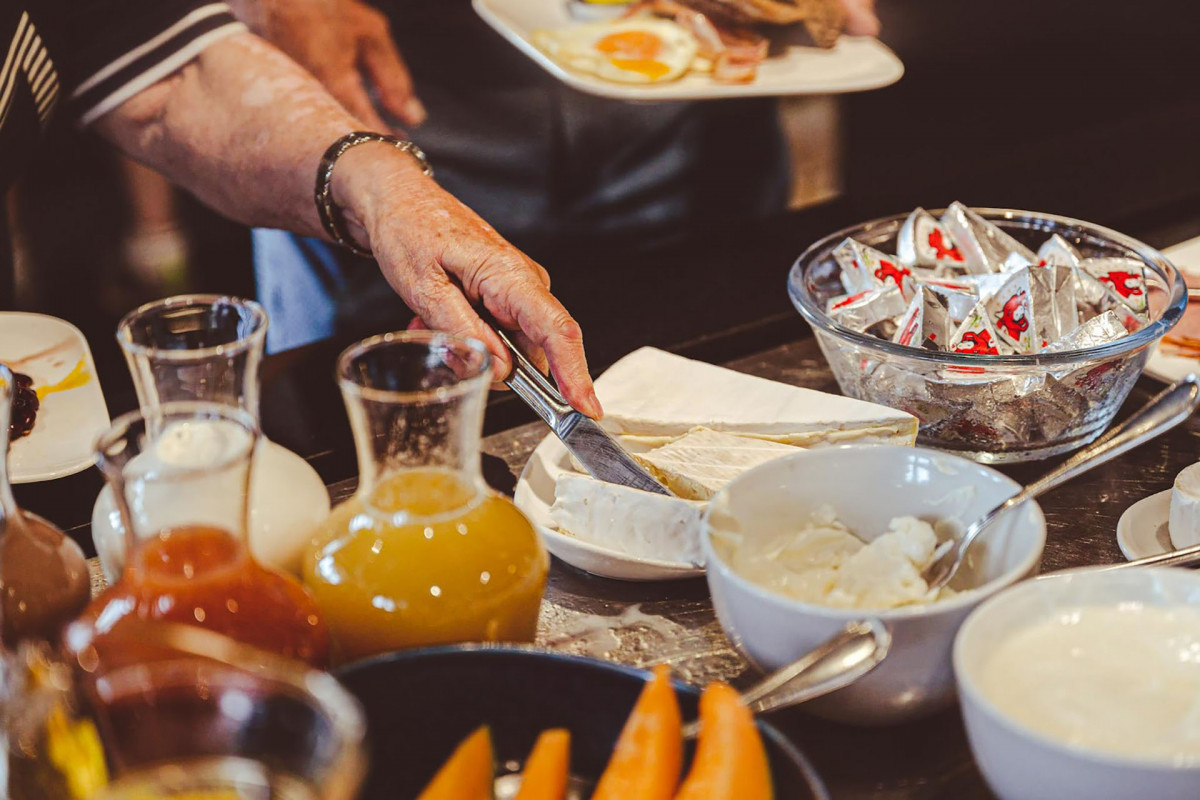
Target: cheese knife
{"points": [[600, 454]]}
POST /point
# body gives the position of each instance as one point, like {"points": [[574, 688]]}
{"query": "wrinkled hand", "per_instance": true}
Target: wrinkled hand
{"points": [[441, 258], [860, 17], [347, 46]]}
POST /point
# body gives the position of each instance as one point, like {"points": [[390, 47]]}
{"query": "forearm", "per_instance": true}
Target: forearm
{"points": [[243, 128]]}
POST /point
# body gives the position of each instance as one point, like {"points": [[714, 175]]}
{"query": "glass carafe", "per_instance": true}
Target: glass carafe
{"points": [[208, 348], [180, 476], [44, 580], [424, 553]]}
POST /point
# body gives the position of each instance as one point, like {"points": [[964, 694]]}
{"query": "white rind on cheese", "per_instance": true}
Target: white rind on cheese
{"points": [[651, 393], [1184, 521], [641, 524], [699, 463]]}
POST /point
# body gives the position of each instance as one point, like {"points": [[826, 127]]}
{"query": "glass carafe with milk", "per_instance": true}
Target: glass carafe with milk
{"points": [[424, 553], [208, 348]]}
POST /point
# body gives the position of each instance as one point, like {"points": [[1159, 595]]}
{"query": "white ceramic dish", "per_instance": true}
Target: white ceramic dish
{"points": [[47, 349], [1022, 764], [855, 64], [1171, 368], [1142, 530], [288, 500], [534, 495], [867, 487]]}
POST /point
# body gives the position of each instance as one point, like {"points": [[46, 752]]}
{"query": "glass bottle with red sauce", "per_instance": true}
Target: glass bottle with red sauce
{"points": [[180, 475]]}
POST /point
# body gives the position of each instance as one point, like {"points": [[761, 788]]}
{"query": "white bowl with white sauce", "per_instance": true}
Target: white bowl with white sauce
{"points": [[867, 488], [1086, 685]]}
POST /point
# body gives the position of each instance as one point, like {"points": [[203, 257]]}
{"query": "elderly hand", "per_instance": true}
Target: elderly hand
{"points": [[860, 17], [347, 46], [440, 257]]}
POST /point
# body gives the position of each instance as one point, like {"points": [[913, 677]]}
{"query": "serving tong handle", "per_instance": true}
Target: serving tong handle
{"points": [[1164, 411], [831, 665]]}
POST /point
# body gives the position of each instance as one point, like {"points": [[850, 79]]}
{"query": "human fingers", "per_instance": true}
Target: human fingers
{"points": [[384, 68], [440, 305], [513, 291], [347, 88], [860, 17]]}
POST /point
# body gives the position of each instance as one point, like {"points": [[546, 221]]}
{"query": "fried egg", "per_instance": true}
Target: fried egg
{"points": [[628, 51]]}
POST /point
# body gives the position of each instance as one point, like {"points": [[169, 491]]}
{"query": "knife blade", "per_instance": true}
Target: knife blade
{"points": [[593, 447]]}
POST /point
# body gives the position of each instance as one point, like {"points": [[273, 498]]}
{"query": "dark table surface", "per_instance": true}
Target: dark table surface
{"points": [[645, 623]]}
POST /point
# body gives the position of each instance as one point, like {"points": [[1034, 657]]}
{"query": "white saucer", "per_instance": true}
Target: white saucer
{"points": [[1142, 529], [534, 495]]}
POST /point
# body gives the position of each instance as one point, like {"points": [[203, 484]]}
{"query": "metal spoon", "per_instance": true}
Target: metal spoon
{"points": [[1163, 412], [832, 665]]}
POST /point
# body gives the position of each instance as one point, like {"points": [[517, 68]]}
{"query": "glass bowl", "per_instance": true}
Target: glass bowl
{"points": [[993, 409]]}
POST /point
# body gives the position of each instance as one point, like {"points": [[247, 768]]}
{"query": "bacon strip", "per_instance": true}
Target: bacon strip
{"points": [[735, 53], [824, 19]]}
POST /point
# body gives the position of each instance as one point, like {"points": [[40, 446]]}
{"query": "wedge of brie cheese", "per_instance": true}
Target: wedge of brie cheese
{"points": [[1184, 521], [696, 465], [655, 397], [641, 524]]}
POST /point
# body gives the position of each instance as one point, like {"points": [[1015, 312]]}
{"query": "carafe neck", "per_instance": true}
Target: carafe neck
{"points": [[437, 432], [8, 503]]}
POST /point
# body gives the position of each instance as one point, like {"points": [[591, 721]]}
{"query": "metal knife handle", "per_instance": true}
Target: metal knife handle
{"points": [[529, 383]]}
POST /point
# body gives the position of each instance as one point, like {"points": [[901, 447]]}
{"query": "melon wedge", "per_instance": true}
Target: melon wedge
{"points": [[469, 772], [730, 760], [548, 767], [646, 762]]}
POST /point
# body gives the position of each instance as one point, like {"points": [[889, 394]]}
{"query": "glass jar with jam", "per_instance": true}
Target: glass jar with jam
{"points": [[180, 477], [424, 553]]}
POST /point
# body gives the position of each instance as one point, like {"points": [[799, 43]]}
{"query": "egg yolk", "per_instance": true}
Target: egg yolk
{"points": [[634, 51], [643, 66], [631, 45]]}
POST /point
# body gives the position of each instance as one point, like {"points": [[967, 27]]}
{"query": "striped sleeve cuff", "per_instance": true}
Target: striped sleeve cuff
{"points": [[151, 61]]}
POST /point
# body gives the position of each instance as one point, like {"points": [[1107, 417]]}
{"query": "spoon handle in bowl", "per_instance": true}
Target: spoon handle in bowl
{"points": [[1164, 411], [835, 663]]}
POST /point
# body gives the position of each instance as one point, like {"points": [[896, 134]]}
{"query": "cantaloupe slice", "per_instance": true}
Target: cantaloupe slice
{"points": [[730, 760], [469, 773], [646, 762], [548, 767]]}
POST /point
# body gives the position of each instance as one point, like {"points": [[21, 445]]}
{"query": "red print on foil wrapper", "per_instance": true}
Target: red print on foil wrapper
{"points": [[887, 271], [942, 249], [1124, 283], [1012, 316], [854, 298], [979, 342]]}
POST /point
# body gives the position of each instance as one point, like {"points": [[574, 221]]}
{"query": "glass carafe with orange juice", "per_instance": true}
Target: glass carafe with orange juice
{"points": [[180, 476], [424, 553]]}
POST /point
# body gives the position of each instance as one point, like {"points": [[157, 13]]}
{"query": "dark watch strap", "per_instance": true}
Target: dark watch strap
{"points": [[331, 217]]}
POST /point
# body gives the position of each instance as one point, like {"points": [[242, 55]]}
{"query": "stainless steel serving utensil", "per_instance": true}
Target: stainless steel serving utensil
{"points": [[832, 665], [1163, 412], [600, 454]]}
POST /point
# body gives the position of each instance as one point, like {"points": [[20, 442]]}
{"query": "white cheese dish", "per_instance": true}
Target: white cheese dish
{"points": [[695, 427], [658, 396], [641, 524]]}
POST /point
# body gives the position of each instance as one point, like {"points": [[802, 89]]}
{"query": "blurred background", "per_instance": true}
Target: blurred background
{"points": [[1083, 110]]}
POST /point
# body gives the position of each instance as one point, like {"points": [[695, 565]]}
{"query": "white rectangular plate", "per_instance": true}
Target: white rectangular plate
{"points": [[1170, 368], [855, 64], [68, 422]]}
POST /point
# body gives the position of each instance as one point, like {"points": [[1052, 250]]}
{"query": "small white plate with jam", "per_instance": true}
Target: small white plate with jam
{"points": [[71, 410]]}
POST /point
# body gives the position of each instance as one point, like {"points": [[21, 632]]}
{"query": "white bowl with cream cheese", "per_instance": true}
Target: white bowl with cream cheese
{"points": [[867, 488], [1086, 685]]}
